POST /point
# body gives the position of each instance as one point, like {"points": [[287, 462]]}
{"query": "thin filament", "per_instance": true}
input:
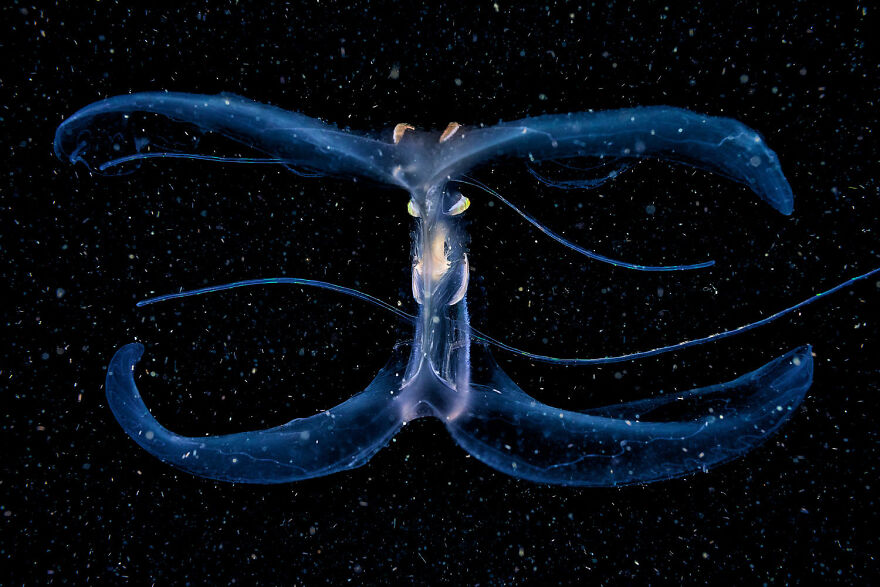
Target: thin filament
{"points": [[478, 335], [577, 248]]}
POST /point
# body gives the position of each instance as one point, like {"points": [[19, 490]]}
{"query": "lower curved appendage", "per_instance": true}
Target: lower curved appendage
{"points": [[344, 437], [638, 442]]}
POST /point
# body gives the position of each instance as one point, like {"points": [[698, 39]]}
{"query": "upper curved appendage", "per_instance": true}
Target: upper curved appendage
{"points": [[341, 438], [639, 442], [103, 135], [718, 144]]}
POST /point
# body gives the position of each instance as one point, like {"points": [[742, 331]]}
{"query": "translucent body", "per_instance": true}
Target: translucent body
{"points": [[492, 418]]}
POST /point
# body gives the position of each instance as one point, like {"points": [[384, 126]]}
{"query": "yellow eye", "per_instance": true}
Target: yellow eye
{"points": [[460, 206], [413, 211]]}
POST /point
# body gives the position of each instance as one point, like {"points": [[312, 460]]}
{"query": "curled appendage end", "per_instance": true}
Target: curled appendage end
{"points": [[776, 190], [341, 438], [669, 436], [752, 162]]}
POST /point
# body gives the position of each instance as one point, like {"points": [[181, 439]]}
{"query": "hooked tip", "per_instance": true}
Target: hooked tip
{"points": [[400, 129]]}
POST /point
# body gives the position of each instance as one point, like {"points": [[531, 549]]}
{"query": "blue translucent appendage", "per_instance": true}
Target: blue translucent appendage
{"points": [[638, 442], [719, 145], [104, 136], [342, 438]]}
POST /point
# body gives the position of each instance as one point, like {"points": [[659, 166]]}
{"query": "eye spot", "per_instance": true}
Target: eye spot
{"points": [[460, 206]]}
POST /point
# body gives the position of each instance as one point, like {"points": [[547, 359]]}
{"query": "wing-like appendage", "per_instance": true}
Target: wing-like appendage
{"points": [[638, 442], [721, 145], [344, 437], [105, 135]]}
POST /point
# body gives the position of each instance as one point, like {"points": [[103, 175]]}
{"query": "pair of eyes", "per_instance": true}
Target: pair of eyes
{"points": [[460, 205]]}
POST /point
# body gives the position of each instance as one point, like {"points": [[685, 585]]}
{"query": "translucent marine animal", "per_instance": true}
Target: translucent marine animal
{"points": [[664, 437]]}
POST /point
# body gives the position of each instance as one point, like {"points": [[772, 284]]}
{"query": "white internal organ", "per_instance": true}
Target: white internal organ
{"points": [[462, 283], [428, 271]]}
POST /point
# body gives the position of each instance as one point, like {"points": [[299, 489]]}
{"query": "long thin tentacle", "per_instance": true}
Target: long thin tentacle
{"points": [[577, 248], [480, 336], [579, 184], [679, 345], [217, 159], [282, 281]]}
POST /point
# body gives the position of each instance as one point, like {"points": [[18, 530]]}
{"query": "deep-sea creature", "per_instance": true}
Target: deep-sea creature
{"points": [[492, 418]]}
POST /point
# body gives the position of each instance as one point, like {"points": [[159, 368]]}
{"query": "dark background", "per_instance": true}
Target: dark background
{"points": [[82, 503]]}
